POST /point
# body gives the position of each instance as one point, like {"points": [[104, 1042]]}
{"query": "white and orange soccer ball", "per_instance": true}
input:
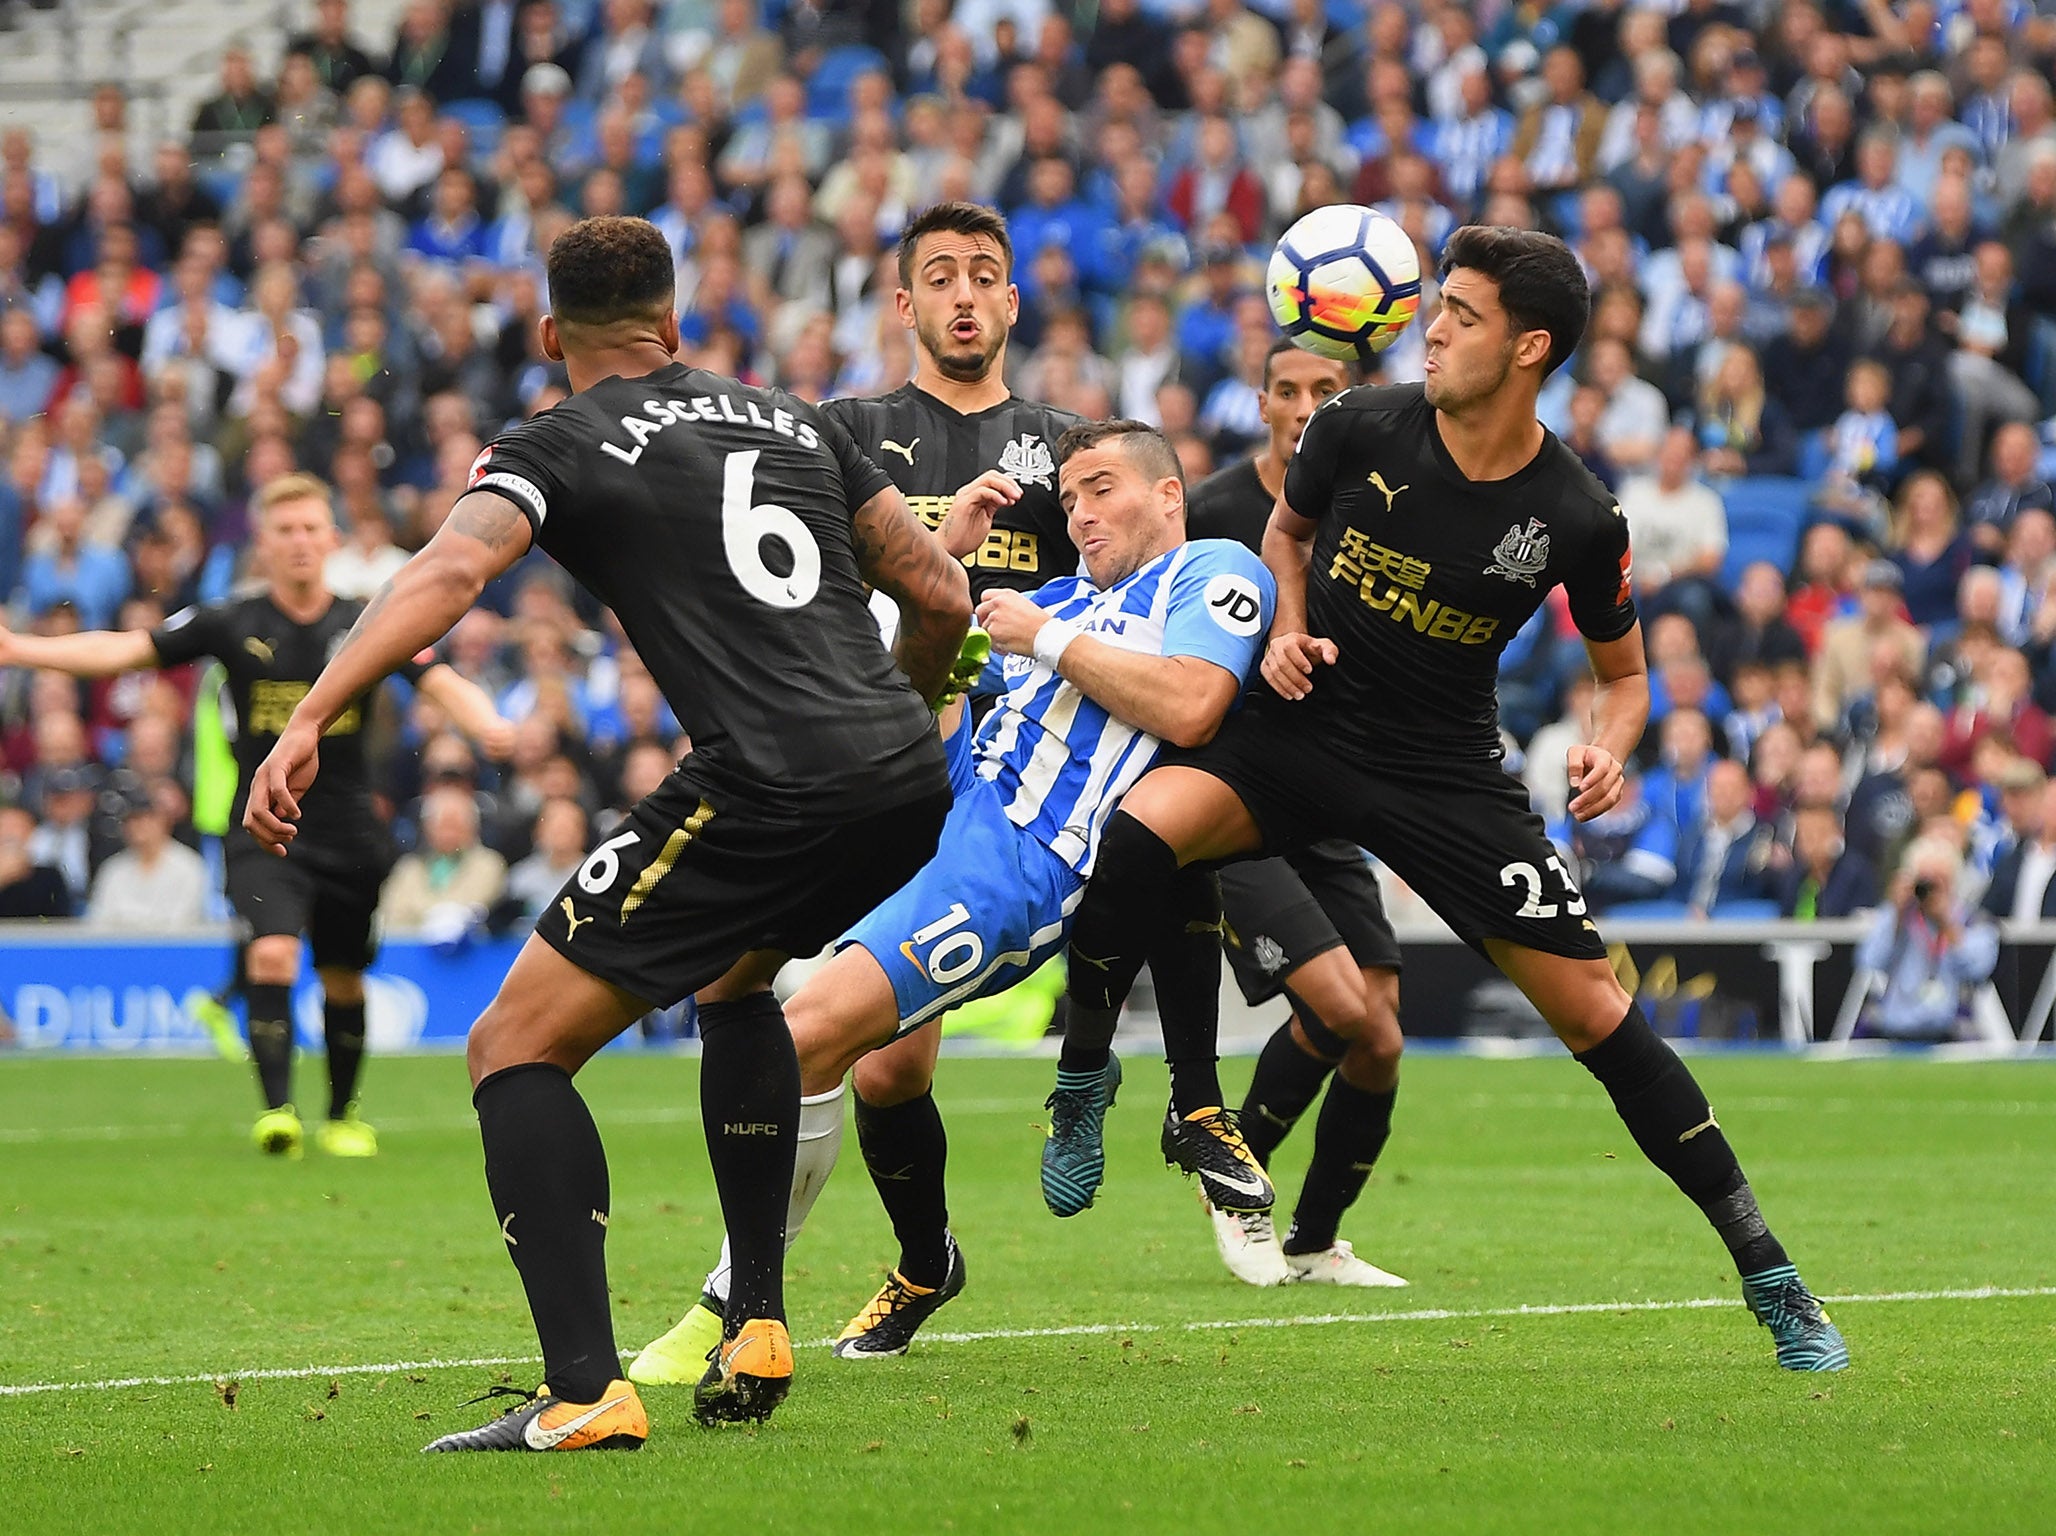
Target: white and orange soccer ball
{"points": [[1344, 281]]}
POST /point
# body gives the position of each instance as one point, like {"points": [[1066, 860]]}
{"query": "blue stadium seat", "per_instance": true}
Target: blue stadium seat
{"points": [[482, 119], [1813, 455], [1646, 911], [828, 91], [1765, 514], [1752, 911]]}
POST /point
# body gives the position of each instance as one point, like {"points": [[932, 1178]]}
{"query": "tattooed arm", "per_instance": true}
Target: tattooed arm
{"points": [[485, 534], [908, 564]]}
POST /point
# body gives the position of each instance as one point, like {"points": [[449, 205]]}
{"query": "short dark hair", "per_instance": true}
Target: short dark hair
{"points": [[1286, 344], [956, 218], [606, 270], [1541, 284], [1145, 446]]}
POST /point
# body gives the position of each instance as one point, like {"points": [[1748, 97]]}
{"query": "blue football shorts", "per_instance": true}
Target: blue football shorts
{"points": [[989, 908]]}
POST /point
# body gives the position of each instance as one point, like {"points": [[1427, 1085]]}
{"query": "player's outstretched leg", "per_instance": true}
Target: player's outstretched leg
{"points": [[749, 1099], [680, 1356], [1667, 1114], [344, 1133], [904, 1145], [1125, 912], [547, 1174], [1074, 1159]]}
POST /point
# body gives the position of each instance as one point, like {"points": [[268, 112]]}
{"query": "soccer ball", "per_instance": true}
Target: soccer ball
{"points": [[1344, 282]]}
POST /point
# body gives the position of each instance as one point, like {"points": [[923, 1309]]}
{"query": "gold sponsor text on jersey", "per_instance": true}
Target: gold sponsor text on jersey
{"points": [[1389, 582], [1004, 549], [272, 704]]}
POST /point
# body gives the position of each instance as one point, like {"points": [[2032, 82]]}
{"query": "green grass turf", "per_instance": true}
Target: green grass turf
{"points": [[140, 1235]]}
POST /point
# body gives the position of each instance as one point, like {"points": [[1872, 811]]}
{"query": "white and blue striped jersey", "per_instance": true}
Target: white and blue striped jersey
{"points": [[1062, 762]]}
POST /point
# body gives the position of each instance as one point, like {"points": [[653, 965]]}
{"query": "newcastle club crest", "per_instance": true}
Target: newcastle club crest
{"points": [[1522, 555], [1027, 460]]}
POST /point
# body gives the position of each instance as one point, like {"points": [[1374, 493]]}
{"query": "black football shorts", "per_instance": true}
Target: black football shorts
{"points": [[1281, 913], [1462, 834], [696, 878], [333, 902]]}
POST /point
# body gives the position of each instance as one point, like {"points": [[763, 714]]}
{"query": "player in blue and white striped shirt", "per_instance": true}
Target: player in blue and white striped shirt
{"points": [[1148, 644]]}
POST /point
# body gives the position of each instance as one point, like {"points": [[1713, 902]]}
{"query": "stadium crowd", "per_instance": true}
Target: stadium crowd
{"points": [[1821, 237]]}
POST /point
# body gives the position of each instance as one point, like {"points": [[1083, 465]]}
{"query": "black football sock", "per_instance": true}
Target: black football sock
{"points": [[547, 1173], [1288, 1079], [271, 1041], [907, 1151], [1350, 1133], [1671, 1122], [1185, 963], [1121, 912], [750, 1100], [343, 1024]]}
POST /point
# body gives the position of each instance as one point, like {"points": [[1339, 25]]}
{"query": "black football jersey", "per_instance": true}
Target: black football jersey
{"points": [[932, 452], [1230, 503], [1421, 576], [714, 518], [271, 663]]}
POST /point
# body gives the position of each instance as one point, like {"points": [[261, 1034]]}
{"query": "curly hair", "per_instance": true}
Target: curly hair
{"points": [[602, 271]]}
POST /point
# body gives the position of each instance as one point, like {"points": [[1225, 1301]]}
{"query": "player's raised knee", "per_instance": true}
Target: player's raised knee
{"points": [[886, 1078]]}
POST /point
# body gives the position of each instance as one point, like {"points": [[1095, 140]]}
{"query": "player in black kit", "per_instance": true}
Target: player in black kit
{"points": [[1312, 927], [733, 531], [273, 644], [954, 427], [957, 420], [1418, 528]]}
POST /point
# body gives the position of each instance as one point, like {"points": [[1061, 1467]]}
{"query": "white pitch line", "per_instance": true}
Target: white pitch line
{"points": [[1028, 1109], [1079, 1330]]}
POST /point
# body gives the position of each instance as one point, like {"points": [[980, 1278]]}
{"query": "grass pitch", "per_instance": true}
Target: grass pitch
{"points": [[1099, 1374]]}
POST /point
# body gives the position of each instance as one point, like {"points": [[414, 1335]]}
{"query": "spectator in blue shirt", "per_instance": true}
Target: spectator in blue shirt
{"points": [[1887, 209], [1055, 215], [1206, 328], [1930, 132], [453, 233], [27, 372], [92, 579], [1629, 853], [1676, 789], [1931, 953]]}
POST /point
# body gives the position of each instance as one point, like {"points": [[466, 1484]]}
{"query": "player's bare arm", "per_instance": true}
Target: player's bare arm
{"points": [[1620, 709], [908, 564], [470, 709], [1179, 699], [484, 535], [94, 653], [1292, 654], [972, 509]]}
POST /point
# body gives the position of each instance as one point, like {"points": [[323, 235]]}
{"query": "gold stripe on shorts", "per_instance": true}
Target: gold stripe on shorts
{"points": [[667, 856]]}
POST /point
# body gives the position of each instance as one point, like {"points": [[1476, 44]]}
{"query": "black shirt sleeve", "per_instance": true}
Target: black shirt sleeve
{"points": [[1600, 589], [530, 464], [1310, 477], [861, 479], [192, 633]]}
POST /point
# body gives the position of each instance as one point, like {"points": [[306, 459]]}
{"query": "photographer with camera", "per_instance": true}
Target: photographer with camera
{"points": [[1929, 951]]}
